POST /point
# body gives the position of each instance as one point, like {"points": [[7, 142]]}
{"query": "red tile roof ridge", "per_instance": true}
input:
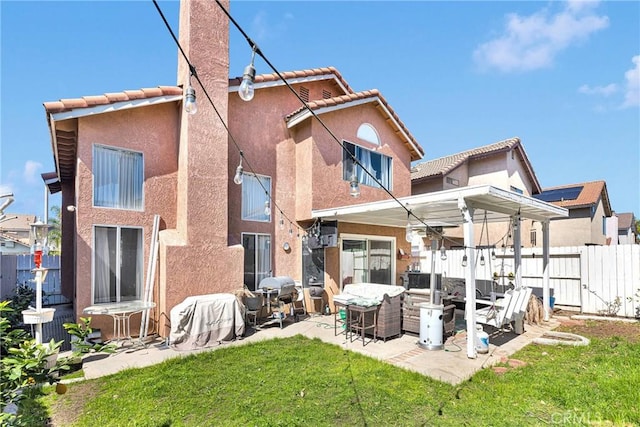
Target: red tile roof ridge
{"points": [[445, 164], [309, 72], [343, 99], [109, 98]]}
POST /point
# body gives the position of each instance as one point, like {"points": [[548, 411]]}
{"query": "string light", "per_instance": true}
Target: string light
{"points": [[409, 230], [268, 204], [464, 260], [190, 105], [443, 252], [482, 259], [354, 186], [239, 171], [281, 220], [246, 90]]}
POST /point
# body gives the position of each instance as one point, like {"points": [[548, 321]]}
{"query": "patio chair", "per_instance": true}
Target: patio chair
{"points": [[499, 313]]}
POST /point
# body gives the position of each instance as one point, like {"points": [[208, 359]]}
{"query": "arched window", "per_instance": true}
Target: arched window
{"points": [[368, 133]]}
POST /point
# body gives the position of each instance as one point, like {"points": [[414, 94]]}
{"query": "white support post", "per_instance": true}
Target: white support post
{"points": [[470, 278], [517, 250], [546, 293]]}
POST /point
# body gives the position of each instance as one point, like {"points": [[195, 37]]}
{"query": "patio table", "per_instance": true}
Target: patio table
{"points": [[121, 313]]}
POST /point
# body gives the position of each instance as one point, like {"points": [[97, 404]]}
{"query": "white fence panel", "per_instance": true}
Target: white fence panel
{"points": [[587, 278]]}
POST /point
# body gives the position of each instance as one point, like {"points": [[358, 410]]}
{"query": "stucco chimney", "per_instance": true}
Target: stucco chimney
{"points": [[195, 258]]}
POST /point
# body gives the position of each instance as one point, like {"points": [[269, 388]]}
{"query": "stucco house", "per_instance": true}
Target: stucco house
{"points": [[627, 234], [123, 158], [503, 164], [589, 207]]}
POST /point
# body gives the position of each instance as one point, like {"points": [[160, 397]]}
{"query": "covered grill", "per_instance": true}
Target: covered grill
{"points": [[278, 282]]}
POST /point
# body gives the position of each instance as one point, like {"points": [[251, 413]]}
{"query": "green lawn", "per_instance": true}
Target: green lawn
{"points": [[303, 382]]}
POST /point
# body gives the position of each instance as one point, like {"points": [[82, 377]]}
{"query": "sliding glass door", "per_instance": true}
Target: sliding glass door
{"points": [[257, 258], [367, 259]]}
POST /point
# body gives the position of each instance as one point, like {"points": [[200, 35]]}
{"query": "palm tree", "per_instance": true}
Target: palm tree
{"points": [[55, 232]]}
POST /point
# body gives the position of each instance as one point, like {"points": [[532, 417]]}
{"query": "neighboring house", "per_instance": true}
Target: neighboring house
{"points": [[503, 164], [611, 228], [589, 207], [15, 233], [11, 245], [122, 158], [627, 234]]}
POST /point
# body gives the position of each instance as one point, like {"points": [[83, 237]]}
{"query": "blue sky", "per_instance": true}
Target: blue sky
{"points": [[562, 76]]}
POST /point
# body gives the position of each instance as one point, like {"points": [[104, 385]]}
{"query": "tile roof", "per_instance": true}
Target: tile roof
{"points": [[110, 98], [444, 165], [625, 220], [591, 193], [300, 74], [374, 94]]}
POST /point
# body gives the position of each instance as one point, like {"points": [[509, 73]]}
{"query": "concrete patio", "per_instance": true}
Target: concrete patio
{"points": [[450, 365]]}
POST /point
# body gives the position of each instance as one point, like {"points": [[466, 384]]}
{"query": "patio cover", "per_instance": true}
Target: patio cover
{"points": [[458, 207]]}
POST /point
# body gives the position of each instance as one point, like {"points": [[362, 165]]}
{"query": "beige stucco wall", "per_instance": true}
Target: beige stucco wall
{"points": [[580, 228]]}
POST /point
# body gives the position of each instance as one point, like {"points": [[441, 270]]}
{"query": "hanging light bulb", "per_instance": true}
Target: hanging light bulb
{"points": [[482, 259], [290, 230], [281, 221], [239, 172], [464, 260], [267, 208], [190, 105], [493, 254], [409, 230], [443, 252], [246, 87], [355, 187]]}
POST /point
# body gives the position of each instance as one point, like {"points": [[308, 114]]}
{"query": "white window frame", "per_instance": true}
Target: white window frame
{"points": [[368, 238], [95, 173], [140, 272], [348, 166], [261, 205]]}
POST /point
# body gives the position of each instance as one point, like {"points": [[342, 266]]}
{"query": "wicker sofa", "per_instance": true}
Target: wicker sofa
{"points": [[389, 297]]}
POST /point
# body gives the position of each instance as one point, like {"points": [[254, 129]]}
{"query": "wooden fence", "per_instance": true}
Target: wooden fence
{"points": [[588, 279]]}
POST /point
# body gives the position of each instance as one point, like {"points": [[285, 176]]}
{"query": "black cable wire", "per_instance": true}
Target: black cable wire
{"points": [[255, 47], [194, 73]]}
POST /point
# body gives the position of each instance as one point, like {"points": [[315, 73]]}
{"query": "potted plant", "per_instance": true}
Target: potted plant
{"points": [[82, 342]]}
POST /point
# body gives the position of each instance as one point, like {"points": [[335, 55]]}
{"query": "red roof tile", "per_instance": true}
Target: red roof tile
{"points": [[110, 98], [344, 99], [590, 195], [313, 72]]}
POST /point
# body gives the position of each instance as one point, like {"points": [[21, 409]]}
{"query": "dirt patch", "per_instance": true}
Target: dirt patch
{"points": [[629, 331], [66, 409]]}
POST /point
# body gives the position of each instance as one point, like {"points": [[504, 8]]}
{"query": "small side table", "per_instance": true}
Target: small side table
{"points": [[357, 318]]}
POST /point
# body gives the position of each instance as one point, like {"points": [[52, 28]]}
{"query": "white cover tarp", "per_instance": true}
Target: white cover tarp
{"points": [[205, 320]]}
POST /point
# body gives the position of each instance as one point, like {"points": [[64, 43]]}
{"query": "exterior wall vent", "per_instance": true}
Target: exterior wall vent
{"points": [[304, 93], [326, 94]]}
